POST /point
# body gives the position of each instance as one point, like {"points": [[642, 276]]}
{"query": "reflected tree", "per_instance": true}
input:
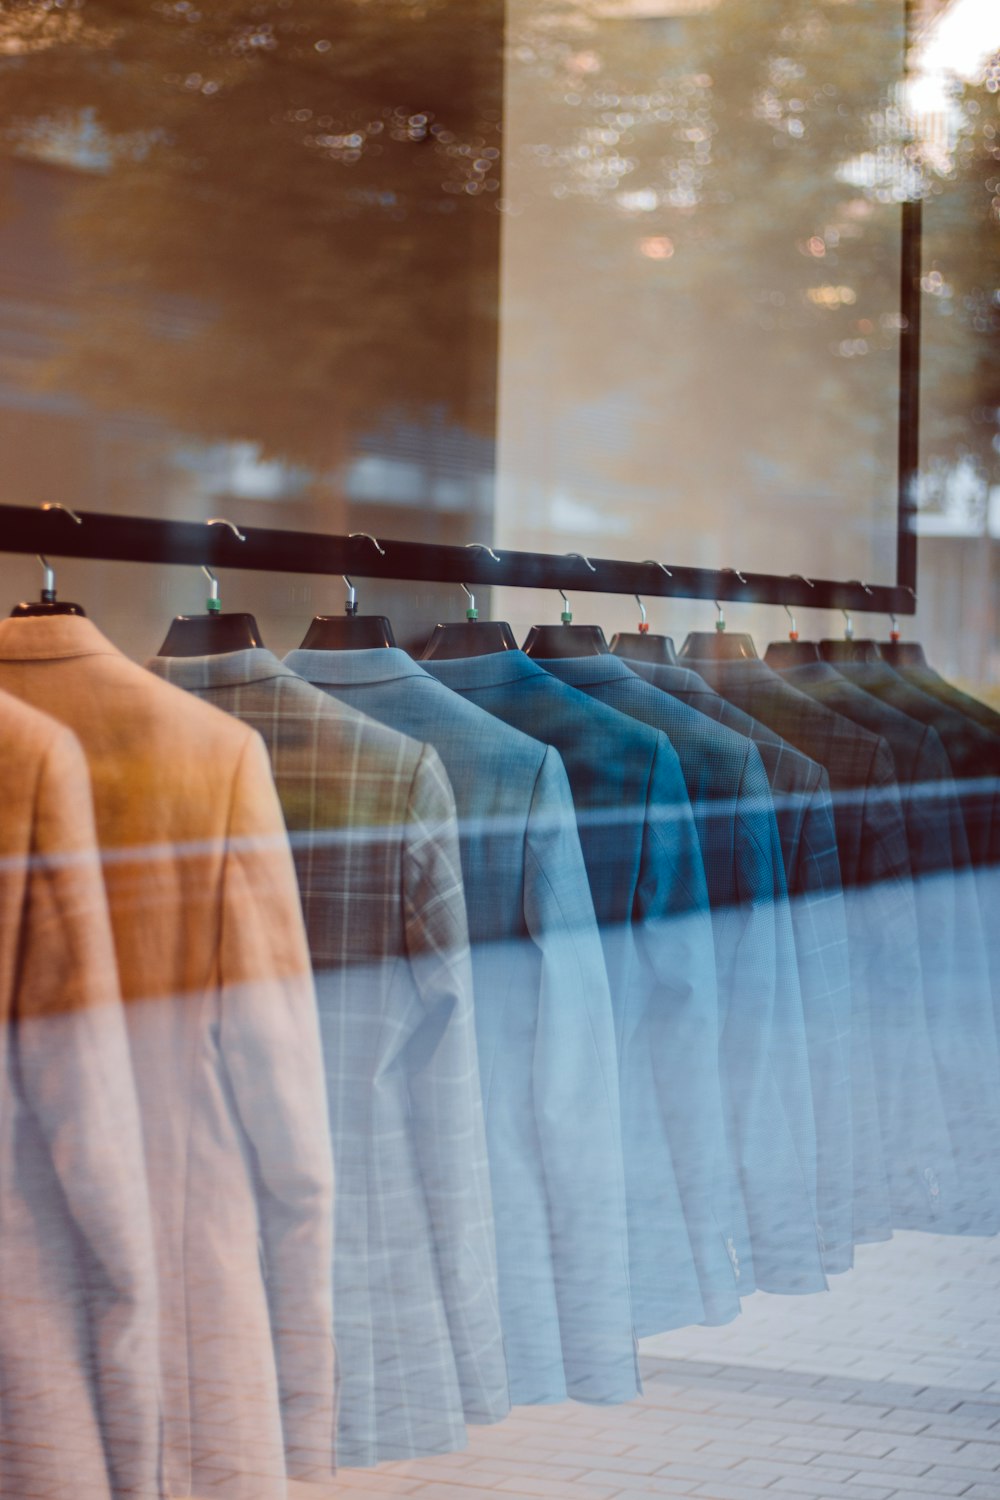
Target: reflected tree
{"points": [[286, 215]]}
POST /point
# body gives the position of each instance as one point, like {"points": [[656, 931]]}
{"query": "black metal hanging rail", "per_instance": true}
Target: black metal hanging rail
{"points": [[97, 535]]}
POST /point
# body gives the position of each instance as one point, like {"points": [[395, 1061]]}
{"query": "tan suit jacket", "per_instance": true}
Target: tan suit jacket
{"points": [[225, 1045], [79, 1382]]}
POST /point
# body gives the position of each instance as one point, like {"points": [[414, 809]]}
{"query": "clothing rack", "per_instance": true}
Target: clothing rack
{"points": [[57, 531]]}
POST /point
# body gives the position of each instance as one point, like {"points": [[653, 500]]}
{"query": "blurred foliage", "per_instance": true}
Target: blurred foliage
{"points": [[287, 217], [285, 223], [961, 282]]}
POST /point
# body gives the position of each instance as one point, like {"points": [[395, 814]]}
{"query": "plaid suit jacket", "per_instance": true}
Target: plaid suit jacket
{"points": [[648, 882], [957, 999], [371, 820], [800, 793], [884, 949], [765, 1057], [545, 1033]]}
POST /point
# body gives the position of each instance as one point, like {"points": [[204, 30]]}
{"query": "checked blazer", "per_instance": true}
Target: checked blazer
{"points": [[648, 882], [372, 825], [765, 1056], [544, 1029], [957, 1001], [884, 948], [223, 1035]]}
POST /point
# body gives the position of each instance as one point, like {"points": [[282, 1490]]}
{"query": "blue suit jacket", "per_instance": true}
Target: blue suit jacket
{"points": [[800, 793], [973, 750], [648, 882], [887, 984], [958, 1004], [544, 1029], [765, 1059]]}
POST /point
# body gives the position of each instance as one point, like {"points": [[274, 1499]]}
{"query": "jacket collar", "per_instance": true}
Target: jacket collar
{"points": [[811, 671], [673, 678], [741, 669], [866, 671], [353, 668], [52, 638], [590, 671], [228, 669], [485, 671]]}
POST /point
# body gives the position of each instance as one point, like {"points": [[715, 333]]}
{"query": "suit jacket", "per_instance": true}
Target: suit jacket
{"points": [[764, 1055], [79, 1394], [648, 882], [973, 751], [974, 755], [225, 1047], [544, 1029], [800, 794], [924, 677], [884, 948], [961, 1045], [373, 829]]}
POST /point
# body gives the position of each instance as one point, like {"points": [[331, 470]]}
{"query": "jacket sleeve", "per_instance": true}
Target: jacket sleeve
{"points": [[76, 1072], [445, 1092], [577, 1105], [269, 1037], [889, 984], [767, 1057], [674, 937]]}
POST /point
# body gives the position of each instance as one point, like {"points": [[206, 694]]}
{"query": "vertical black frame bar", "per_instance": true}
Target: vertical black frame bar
{"points": [[908, 463]]}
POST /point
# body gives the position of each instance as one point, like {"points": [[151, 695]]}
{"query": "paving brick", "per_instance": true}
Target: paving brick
{"points": [[970, 1476], [660, 1486], [913, 1484], [850, 1490]]}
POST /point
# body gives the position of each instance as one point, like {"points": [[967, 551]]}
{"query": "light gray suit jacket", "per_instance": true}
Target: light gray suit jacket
{"points": [[371, 818]]}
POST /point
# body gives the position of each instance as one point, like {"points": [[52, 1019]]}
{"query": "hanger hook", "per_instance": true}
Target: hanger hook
{"points": [[643, 623], [48, 580], [483, 548], [793, 634], [567, 613], [848, 621], [55, 505], [213, 603], [802, 579], [734, 570], [221, 521], [351, 602], [720, 622], [472, 612], [587, 560], [893, 628], [654, 564], [368, 537]]}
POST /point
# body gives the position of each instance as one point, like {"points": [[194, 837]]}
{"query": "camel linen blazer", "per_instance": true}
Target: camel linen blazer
{"points": [[373, 828], [79, 1386], [225, 1045]]}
